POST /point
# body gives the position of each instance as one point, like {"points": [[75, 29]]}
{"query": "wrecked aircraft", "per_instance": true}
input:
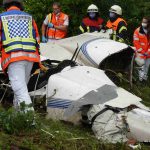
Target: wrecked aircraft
{"points": [[90, 49], [74, 90], [110, 110]]}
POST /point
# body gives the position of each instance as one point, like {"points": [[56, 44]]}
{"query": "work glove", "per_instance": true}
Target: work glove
{"points": [[44, 39], [140, 62], [50, 25], [42, 67]]}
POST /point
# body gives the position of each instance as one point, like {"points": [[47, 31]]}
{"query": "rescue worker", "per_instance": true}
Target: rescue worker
{"points": [[55, 25], [141, 41], [92, 22], [19, 39], [117, 24]]}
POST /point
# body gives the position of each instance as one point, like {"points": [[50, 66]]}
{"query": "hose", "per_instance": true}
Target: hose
{"points": [[36, 86], [75, 52], [131, 71], [3, 95], [7, 85]]}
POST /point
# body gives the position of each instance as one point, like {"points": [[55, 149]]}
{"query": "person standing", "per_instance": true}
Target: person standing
{"points": [[141, 41], [117, 24], [92, 22], [55, 25], [19, 40]]}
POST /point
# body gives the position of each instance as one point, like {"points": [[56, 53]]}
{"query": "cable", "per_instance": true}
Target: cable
{"points": [[75, 52], [3, 95], [51, 95], [131, 71], [36, 86], [7, 85]]}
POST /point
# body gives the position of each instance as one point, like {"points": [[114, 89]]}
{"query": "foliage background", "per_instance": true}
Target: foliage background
{"points": [[133, 11]]}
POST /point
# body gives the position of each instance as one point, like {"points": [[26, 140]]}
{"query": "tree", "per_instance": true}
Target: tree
{"points": [[132, 13]]}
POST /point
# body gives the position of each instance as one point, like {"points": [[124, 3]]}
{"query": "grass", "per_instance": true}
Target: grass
{"points": [[54, 135], [65, 138]]}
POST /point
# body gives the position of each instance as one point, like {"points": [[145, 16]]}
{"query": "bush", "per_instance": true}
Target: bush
{"points": [[17, 122]]}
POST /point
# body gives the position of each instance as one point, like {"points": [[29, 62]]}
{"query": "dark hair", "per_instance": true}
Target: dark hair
{"points": [[147, 18], [57, 4], [17, 4], [148, 25]]}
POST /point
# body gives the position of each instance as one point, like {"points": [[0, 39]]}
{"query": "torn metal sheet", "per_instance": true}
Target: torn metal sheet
{"points": [[120, 126], [98, 96], [124, 99], [73, 88], [107, 126], [73, 83], [139, 123]]}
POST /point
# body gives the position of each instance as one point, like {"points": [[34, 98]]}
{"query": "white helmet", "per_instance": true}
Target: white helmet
{"points": [[116, 9], [92, 8]]}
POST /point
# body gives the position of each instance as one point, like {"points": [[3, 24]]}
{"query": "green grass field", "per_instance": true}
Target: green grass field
{"points": [[52, 135]]}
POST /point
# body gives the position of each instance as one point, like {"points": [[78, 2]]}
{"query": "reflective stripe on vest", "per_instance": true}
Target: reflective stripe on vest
{"points": [[136, 39], [81, 29], [139, 50], [142, 43], [88, 29], [19, 54], [18, 33], [114, 35], [49, 17], [122, 28]]}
